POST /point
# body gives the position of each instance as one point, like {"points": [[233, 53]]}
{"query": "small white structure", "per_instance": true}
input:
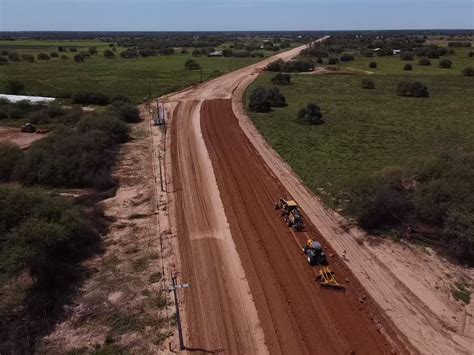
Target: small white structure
{"points": [[215, 54], [31, 99], [376, 49], [396, 51]]}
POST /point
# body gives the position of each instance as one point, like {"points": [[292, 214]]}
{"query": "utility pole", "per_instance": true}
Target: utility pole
{"points": [[173, 288]]}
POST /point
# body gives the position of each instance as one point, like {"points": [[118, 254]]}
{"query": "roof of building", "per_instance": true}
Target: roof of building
{"points": [[32, 99]]}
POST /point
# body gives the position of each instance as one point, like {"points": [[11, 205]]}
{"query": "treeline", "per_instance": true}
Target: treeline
{"points": [[429, 200], [290, 66]]}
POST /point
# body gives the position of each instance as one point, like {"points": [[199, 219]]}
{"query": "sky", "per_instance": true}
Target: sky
{"points": [[233, 15]]}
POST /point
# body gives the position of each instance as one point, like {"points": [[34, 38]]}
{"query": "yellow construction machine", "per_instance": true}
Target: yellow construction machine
{"points": [[327, 278], [290, 211]]}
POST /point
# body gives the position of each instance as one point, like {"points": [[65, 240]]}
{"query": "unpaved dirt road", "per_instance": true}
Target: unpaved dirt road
{"points": [[13, 135], [252, 290]]}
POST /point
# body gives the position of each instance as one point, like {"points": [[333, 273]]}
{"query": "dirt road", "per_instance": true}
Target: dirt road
{"points": [[252, 291], [13, 135]]}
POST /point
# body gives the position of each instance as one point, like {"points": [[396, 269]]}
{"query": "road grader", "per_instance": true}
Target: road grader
{"points": [[290, 211]]}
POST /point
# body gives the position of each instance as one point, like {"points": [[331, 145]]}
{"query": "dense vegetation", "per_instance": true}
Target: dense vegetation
{"points": [[429, 199], [262, 99]]}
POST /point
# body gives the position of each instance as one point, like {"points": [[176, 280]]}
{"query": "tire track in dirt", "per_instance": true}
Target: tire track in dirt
{"points": [[297, 316]]}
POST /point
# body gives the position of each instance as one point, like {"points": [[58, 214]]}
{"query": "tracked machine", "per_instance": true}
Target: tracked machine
{"points": [[290, 211]]}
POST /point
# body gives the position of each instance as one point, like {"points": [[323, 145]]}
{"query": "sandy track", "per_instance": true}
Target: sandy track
{"points": [[221, 315], [23, 140], [296, 313]]}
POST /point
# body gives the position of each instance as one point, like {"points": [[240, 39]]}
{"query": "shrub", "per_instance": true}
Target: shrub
{"points": [[333, 60], [147, 52], [281, 79], [43, 56], [191, 64], [3, 60], [64, 57], [129, 53], [14, 57], [445, 63], [10, 156], [412, 89], [16, 113], [258, 100], [3, 113], [276, 98], [406, 56], [115, 129], [368, 53], [90, 98], [276, 66], [319, 60], [55, 110], [373, 65], [28, 58], [78, 58], [468, 71], [54, 55], [470, 54], [424, 62], [92, 50], [196, 53], [14, 87], [408, 67], [291, 66], [310, 114], [367, 83], [73, 49], [128, 112], [108, 54], [346, 58]]}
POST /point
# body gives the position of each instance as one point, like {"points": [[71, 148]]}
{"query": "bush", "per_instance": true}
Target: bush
{"points": [[333, 61], [14, 87], [196, 53], [470, 54], [55, 110], [412, 89], [281, 79], [129, 53], [276, 98], [28, 58], [116, 131], [92, 50], [406, 56], [54, 55], [424, 62], [445, 63], [43, 56], [408, 67], [16, 113], [319, 60], [191, 64], [78, 58], [346, 58], [3, 60], [128, 112], [64, 57], [468, 71], [258, 100], [367, 83], [291, 66], [90, 98], [310, 114], [10, 156], [14, 57], [108, 54], [3, 113], [373, 65]]}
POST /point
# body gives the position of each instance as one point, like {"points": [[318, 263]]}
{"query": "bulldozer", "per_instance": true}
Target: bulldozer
{"points": [[315, 253], [290, 211], [327, 278]]}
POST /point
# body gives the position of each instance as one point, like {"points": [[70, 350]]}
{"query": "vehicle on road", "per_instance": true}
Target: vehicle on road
{"points": [[315, 253], [28, 128], [290, 211]]}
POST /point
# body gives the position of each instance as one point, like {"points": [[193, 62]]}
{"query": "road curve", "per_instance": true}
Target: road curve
{"points": [[252, 291]]}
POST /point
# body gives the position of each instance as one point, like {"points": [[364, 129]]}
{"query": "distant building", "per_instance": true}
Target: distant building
{"points": [[32, 99], [396, 51], [376, 49], [215, 54]]}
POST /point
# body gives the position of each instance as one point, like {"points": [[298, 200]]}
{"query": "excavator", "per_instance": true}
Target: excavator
{"points": [[290, 211]]}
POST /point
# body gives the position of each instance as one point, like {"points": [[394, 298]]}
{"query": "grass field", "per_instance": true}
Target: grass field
{"points": [[367, 130], [129, 77]]}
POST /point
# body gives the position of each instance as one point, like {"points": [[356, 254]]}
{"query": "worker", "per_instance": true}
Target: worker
{"points": [[344, 255]]}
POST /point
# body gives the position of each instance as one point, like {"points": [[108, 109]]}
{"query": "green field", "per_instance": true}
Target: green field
{"points": [[367, 130], [129, 77]]}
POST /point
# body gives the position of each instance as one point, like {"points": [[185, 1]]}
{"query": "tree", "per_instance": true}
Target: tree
{"points": [[64, 57], [78, 58], [281, 79], [470, 54], [14, 87], [319, 60], [127, 111], [3, 60], [92, 50], [276, 98], [333, 60], [406, 56], [424, 62], [346, 57], [468, 71], [258, 100], [408, 67], [373, 65], [54, 55], [191, 64], [412, 89], [311, 114], [445, 63], [28, 58], [367, 83], [14, 57], [90, 98], [196, 53], [10, 156], [108, 54], [43, 56]]}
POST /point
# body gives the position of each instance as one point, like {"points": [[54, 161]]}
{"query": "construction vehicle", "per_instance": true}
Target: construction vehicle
{"points": [[28, 128], [327, 278], [42, 131], [315, 253], [290, 211]]}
